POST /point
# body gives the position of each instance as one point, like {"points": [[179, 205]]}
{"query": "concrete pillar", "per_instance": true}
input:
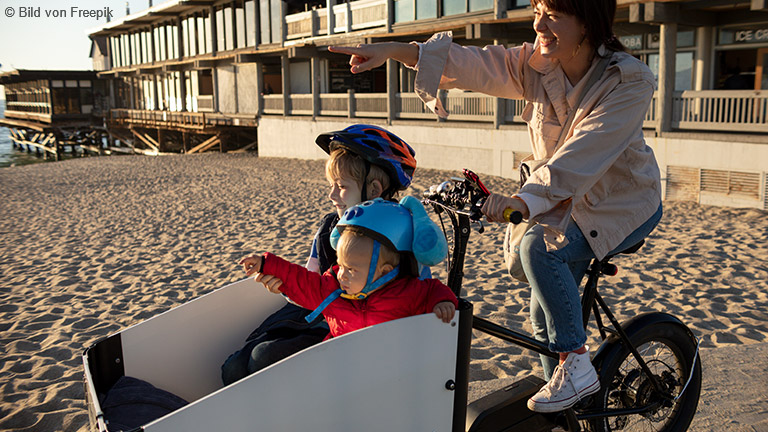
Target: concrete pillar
{"points": [[132, 91], [283, 27], [499, 9], [703, 60], [286, 76], [331, 19], [499, 103], [667, 51], [351, 106], [215, 78], [392, 79], [214, 30], [315, 71], [260, 87], [183, 90]]}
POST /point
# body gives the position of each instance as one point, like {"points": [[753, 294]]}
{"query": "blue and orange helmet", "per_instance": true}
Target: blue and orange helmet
{"points": [[378, 146]]}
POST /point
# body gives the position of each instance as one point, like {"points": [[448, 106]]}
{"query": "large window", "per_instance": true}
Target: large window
{"points": [[404, 11], [426, 9], [683, 69]]}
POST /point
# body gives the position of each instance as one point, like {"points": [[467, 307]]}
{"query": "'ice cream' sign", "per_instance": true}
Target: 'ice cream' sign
{"points": [[743, 35]]}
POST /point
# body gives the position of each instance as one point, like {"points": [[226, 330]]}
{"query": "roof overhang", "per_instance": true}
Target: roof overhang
{"points": [[149, 16], [23, 75]]}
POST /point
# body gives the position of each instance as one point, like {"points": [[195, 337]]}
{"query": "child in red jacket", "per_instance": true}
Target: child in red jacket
{"points": [[375, 279]]}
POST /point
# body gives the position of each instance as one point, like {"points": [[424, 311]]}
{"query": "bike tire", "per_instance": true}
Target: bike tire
{"points": [[669, 350]]}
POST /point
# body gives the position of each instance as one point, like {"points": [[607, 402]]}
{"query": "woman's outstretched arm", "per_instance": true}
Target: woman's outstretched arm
{"points": [[367, 57]]}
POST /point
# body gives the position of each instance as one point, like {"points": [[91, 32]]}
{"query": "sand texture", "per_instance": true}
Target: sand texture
{"points": [[91, 246]]}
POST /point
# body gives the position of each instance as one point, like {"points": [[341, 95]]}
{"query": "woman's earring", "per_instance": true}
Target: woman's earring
{"points": [[576, 51]]}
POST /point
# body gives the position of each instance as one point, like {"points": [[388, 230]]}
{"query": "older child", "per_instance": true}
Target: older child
{"points": [[375, 279]]}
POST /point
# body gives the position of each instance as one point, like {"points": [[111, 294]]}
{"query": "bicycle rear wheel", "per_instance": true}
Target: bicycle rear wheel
{"points": [[669, 351]]}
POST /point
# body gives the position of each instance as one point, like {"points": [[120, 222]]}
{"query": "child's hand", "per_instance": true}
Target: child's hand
{"points": [[445, 311], [251, 264], [272, 283]]}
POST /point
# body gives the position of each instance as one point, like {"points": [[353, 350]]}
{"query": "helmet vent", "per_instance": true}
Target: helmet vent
{"points": [[373, 144]]}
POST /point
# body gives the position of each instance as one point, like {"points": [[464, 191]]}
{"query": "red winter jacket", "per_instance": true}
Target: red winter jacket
{"points": [[402, 297]]}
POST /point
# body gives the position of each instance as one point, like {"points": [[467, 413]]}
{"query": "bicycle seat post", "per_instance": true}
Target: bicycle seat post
{"points": [[594, 271]]}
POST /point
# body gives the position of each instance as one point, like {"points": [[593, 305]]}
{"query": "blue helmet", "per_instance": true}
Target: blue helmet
{"points": [[392, 224], [385, 221]]}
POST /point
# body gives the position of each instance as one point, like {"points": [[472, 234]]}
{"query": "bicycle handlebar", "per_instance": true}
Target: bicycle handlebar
{"points": [[465, 196]]}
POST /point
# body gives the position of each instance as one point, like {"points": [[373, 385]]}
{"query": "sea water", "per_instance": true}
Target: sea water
{"points": [[10, 156]]}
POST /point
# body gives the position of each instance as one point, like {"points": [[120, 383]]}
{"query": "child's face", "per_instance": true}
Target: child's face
{"points": [[354, 264], [345, 192]]}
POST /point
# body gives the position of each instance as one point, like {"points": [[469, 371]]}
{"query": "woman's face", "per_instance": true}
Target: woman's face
{"points": [[559, 34]]}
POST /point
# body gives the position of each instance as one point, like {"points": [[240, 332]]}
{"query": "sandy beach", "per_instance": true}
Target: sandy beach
{"points": [[93, 245]]}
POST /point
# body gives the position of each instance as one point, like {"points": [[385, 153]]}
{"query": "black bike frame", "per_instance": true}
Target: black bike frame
{"points": [[590, 302]]}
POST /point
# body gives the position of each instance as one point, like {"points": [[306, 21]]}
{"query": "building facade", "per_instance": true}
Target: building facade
{"points": [[198, 74]]}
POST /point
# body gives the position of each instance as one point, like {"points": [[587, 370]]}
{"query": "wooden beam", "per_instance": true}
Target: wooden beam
{"points": [[500, 31], [204, 64], [247, 58], [246, 147], [172, 68], [660, 13], [302, 52], [122, 138], [759, 5], [146, 140], [205, 145]]}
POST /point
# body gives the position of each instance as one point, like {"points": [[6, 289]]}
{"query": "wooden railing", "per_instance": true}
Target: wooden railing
{"points": [[712, 110], [29, 107], [334, 104], [359, 14], [733, 110], [273, 104], [176, 119], [347, 17], [301, 104], [468, 106], [205, 103], [651, 119]]}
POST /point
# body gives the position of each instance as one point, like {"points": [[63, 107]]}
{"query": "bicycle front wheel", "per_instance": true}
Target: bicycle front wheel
{"points": [[671, 356]]}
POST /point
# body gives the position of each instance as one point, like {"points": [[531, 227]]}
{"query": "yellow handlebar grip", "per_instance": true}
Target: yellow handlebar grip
{"points": [[513, 216]]}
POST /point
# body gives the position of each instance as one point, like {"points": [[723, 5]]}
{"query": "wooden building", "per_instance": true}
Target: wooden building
{"points": [[198, 74], [48, 111]]}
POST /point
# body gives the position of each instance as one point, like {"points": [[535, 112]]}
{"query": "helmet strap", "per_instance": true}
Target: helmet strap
{"points": [[370, 285], [364, 189]]}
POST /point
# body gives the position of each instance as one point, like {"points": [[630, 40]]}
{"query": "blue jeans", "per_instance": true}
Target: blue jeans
{"points": [[555, 278]]}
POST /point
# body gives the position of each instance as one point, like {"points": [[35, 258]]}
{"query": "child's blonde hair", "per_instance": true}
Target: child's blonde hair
{"points": [[356, 238], [343, 163]]}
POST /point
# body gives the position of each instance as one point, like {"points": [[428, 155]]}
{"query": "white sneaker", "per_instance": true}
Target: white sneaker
{"points": [[571, 381]]}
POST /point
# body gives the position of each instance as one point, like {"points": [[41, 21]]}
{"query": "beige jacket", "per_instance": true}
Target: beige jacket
{"points": [[604, 166]]}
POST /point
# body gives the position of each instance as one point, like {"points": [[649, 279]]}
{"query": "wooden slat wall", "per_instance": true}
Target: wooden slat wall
{"points": [[682, 184], [746, 184], [765, 191]]}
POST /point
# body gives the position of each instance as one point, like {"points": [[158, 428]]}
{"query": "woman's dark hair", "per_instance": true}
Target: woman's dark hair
{"points": [[597, 16]]}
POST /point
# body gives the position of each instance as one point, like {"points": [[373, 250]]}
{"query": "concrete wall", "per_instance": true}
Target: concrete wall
{"points": [[247, 89], [479, 148], [486, 150], [225, 95]]}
